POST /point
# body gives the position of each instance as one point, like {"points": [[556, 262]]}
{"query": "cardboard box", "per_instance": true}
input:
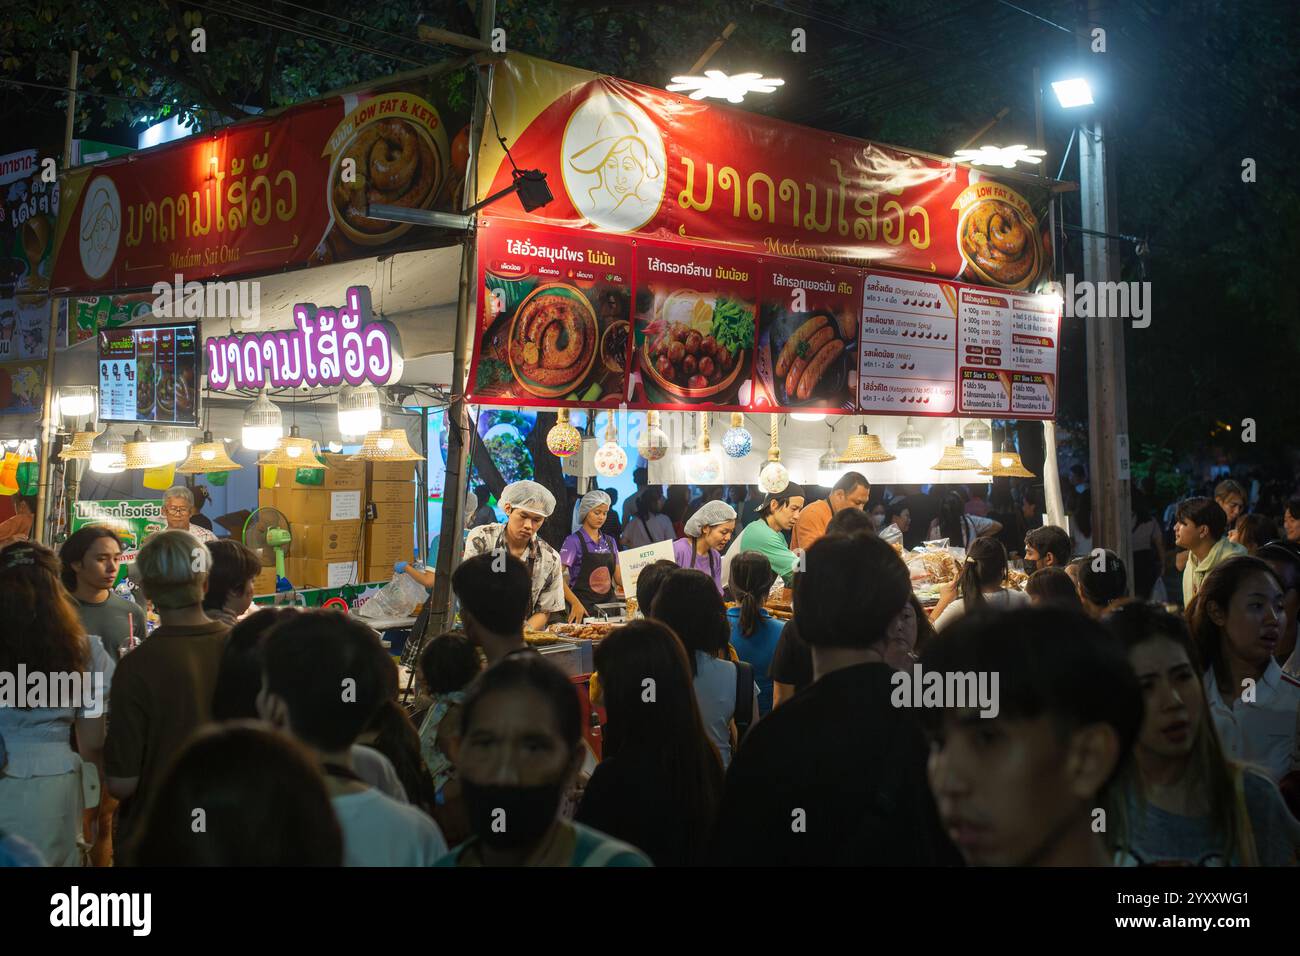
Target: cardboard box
{"points": [[388, 543], [313, 573], [266, 498], [390, 513], [392, 471], [377, 574], [391, 492], [340, 475], [331, 541], [315, 506], [264, 583]]}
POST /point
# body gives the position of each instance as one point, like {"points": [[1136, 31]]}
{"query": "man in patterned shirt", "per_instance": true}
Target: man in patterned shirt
{"points": [[178, 508], [527, 505]]}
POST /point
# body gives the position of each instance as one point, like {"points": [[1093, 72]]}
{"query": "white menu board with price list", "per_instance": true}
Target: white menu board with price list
{"points": [[1008, 352], [908, 346]]}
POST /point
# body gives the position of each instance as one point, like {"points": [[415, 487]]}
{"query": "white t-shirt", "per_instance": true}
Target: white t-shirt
{"points": [[637, 534], [972, 526], [379, 831], [378, 771], [1006, 599], [1263, 733]]}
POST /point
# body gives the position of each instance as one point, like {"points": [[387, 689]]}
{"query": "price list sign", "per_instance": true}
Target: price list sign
{"points": [[1008, 354], [907, 355]]}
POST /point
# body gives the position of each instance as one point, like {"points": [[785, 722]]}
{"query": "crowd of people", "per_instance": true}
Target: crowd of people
{"points": [[240, 736]]}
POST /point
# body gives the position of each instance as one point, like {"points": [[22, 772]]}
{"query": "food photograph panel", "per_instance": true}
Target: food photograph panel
{"points": [[553, 318], [695, 328]]}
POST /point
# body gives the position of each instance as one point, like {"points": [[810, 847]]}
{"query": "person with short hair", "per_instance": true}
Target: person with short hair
{"points": [[1231, 499], [1046, 547], [91, 558], [1291, 519], [527, 505], [449, 663], [263, 799], [163, 689], [1181, 801], [689, 604], [648, 582], [1253, 531], [836, 775], [1236, 620], [493, 592], [1053, 586], [1020, 788], [19, 526], [483, 513], [1199, 527], [659, 782], [779, 513], [708, 531], [851, 490], [234, 570], [1284, 558], [518, 750], [324, 676], [178, 510], [898, 514], [1101, 590]]}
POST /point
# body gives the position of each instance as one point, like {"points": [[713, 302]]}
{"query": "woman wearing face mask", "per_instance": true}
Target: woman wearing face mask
{"points": [[1181, 800], [978, 585], [707, 533], [518, 750], [1236, 620]]}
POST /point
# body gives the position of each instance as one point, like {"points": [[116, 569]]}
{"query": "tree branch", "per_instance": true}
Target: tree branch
{"points": [[268, 67]]}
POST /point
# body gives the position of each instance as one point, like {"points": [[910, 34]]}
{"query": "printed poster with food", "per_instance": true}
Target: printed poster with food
{"points": [[1009, 354], [553, 320], [807, 336], [695, 328], [998, 236], [908, 357]]}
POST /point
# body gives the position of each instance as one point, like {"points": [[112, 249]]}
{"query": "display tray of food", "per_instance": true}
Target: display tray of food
{"points": [[581, 632], [1015, 579], [541, 638]]}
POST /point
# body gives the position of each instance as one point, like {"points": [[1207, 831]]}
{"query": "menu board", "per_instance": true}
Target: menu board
{"points": [[807, 354], [148, 374], [1008, 354], [695, 318], [553, 316], [907, 359]]}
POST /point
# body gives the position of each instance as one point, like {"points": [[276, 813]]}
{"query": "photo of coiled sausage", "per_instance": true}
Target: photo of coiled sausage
{"points": [[999, 243], [817, 367]]}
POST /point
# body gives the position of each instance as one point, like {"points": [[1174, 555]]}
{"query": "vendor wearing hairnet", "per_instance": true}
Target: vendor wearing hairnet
{"points": [[527, 504], [591, 556], [707, 534]]}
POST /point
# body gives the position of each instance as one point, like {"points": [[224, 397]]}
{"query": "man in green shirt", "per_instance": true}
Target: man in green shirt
{"points": [[1199, 526], [776, 516]]}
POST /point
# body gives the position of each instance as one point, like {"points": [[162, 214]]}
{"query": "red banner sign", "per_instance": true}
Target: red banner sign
{"points": [[262, 195], [624, 158]]}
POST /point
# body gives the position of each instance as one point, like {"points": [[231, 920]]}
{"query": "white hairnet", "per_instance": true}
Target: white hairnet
{"points": [[592, 500], [530, 496], [710, 513]]}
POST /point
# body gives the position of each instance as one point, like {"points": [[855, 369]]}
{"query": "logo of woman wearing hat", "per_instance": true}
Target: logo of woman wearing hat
{"points": [[101, 227], [613, 163]]}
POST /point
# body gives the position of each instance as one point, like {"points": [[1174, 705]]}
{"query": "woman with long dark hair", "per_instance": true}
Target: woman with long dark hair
{"points": [[1181, 800], [1236, 619], [754, 632], [979, 584], [40, 782], [660, 781], [961, 529]]}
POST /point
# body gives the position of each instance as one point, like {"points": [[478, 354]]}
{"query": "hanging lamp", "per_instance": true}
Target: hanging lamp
{"points": [[737, 442], [108, 453], [387, 444], [955, 458], [653, 443], [139, 453], [80, 448], [563, 439], [207, 457], [774, 478], [705, 466], [610, 459], [1007, 464], [263, 424], [865, 447], [293, 451], [360, 410]]}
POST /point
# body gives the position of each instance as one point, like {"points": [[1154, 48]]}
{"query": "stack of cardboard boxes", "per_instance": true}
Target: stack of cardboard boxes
{"points": [[325, 519], [390, 536]]}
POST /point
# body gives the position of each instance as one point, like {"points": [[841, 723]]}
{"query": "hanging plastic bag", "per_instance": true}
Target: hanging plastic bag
{"points": [[400, 597], [28, 477], [9, 474], [159, 479]]}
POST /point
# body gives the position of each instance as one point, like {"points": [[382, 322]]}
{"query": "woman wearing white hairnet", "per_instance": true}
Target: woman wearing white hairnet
{"points": [[707, 534], [591, 556], [527, 505]]}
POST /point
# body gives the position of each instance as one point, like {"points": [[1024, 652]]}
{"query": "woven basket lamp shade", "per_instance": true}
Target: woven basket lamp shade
{"points": [[386, 444], [293, 451], [1007, 464], [956, 458], [139, 453], [865, 447], [79, 448], [207, 457]]}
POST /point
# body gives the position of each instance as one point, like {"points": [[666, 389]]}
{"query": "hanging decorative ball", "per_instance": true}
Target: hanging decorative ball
{"points": [[773, 479], [653, 443], [563, 439], [737, 442], [611, 460]]}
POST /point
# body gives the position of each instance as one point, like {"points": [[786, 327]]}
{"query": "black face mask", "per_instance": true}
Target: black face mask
{"points": [[1031, 565], [510, 817]]}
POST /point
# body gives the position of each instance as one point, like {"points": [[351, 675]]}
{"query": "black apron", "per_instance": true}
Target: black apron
{"points": [[595, 582]]}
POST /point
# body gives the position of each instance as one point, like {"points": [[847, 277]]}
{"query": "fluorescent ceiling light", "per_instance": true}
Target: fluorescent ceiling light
{"points": [[715, 84], [1072, 93], [1004, 156]]}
